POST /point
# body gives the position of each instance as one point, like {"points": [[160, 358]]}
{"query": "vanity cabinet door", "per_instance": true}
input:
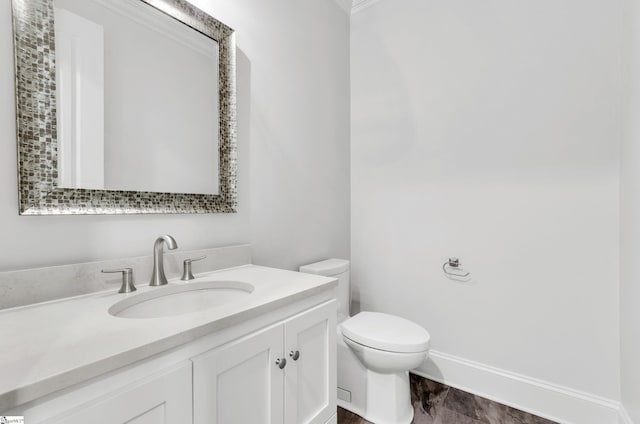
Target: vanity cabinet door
{"points": [[163, 398], [240, 382], [310, 377]]}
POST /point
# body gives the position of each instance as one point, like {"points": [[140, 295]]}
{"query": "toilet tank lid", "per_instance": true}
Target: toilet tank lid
{"points": [[328, 267]]}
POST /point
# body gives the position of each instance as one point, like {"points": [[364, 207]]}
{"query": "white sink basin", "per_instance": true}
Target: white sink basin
{"points": [[177, 299]]}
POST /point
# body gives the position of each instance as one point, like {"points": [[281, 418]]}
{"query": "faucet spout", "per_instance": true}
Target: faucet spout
{"points": [[158, 278]]}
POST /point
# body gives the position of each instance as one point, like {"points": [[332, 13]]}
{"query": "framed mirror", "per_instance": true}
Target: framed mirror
{"points": [[124, 107]]}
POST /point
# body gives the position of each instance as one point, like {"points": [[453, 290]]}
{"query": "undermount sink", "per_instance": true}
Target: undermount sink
{"points": [[177, 299]]}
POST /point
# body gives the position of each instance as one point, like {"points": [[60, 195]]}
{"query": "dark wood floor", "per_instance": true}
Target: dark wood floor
{"points": [[435, 403], [347, 417]]}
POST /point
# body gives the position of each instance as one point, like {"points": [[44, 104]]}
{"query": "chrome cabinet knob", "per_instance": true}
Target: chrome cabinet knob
{"points": [[281, 363], [294, 355]]}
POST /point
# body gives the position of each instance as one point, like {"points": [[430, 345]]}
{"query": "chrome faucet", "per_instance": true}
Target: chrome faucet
{"points": [[158, 278]]}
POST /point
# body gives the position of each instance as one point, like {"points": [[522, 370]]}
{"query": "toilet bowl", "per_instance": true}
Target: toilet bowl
{"points": [[375, 353]]}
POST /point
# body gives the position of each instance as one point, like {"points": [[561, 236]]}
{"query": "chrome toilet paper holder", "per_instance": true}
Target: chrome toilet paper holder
{"points": [[452, 268]]}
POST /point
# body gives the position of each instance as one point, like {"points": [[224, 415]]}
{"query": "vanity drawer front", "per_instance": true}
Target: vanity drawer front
{"points": [[165, 397]]}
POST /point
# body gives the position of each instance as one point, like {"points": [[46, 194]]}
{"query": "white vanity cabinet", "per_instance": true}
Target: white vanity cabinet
{"points": [[310, 381], [240, 382], [226, 377], [141, 395], [285, 373], [163, 398]]}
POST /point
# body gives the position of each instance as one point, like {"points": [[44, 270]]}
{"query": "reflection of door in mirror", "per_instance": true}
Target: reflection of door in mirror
{"points": [[137, 99], [80, 87]]}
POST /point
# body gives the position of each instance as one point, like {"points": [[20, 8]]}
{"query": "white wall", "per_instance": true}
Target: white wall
{"points": [[630, 223], [293, 160], [490, 131]]}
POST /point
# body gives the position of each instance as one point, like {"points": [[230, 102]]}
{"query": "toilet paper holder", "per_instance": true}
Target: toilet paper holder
{"points": [[452, 268]]}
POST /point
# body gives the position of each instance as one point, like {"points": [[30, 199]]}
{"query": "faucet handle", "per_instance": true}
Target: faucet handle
{"points": [[186, 273], [127, 279]]}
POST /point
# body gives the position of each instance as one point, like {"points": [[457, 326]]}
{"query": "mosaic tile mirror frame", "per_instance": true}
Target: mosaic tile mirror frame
{"points": [[35, 79]]}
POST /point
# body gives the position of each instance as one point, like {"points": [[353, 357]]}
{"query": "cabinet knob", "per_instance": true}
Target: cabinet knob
{"points": [[281, 363], [294, 355]]}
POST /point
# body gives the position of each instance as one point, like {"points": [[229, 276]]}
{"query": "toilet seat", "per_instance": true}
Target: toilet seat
{"points": [[386, 332]]}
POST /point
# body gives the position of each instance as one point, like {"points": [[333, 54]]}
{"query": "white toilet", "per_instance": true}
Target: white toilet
{"points": [[375, 353]]}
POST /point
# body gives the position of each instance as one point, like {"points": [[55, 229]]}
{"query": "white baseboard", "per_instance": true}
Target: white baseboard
{"points": [[544, 399], [625, 418]]}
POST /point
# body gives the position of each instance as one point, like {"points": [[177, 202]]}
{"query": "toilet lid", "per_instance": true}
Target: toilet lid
{"points": [[386, 332]]}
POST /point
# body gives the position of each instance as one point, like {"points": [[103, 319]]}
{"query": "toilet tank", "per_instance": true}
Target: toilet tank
{"points": [[337, 268]]}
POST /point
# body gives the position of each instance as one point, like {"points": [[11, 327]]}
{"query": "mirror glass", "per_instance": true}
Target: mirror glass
{"points": [[137, 99]]}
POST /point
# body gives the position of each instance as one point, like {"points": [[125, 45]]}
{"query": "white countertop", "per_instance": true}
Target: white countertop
{"points": [[49, 346]]}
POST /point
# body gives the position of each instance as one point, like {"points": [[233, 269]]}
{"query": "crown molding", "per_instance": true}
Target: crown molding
{"points": [[345, 5], [358, 5]]}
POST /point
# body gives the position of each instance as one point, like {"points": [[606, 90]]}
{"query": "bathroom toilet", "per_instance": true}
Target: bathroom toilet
{"points": [[375, 353]]}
